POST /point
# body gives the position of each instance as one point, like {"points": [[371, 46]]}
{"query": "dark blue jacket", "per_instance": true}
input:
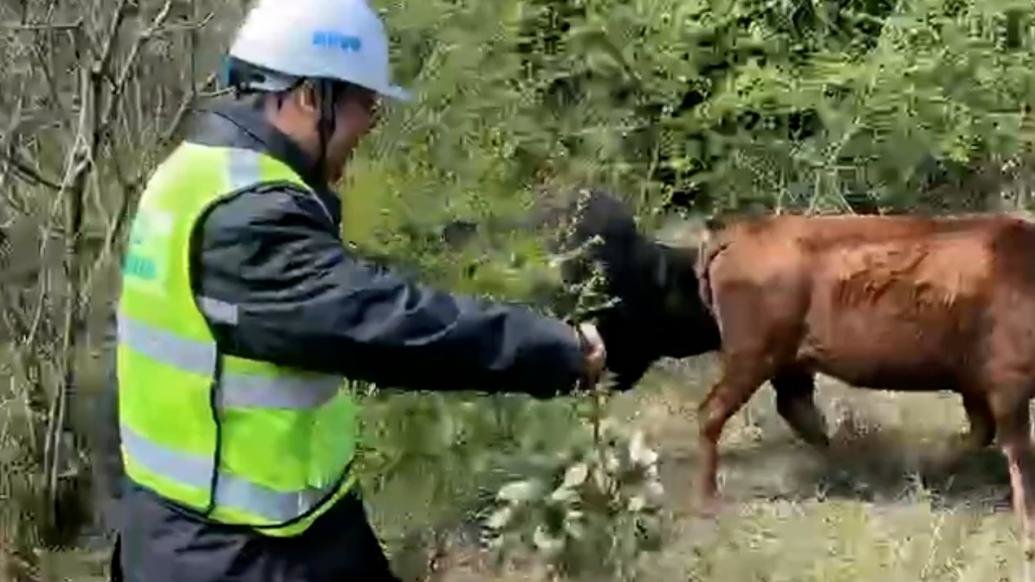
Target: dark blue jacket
{"points": [[304, 300]]}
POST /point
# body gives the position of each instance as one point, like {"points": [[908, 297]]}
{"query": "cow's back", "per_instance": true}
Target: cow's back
{"points": [[894, 302], [942, 252]]}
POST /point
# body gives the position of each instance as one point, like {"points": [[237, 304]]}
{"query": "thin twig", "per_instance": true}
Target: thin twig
{"points": [[185, 106], [138, 104], [28, 364], [46, 65], [188, 26], [651, 169], [16, 200], [37, 26], [12, 128]]}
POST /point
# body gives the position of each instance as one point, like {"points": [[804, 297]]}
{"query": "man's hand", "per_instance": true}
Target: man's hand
{"points": [[595, 354]]}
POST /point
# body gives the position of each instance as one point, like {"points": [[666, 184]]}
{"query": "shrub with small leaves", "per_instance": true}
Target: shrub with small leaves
{"points": [[592, 509]]}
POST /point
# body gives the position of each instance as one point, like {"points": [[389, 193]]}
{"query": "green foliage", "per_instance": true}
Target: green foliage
{"points": [[791, 104], [591, 509]]}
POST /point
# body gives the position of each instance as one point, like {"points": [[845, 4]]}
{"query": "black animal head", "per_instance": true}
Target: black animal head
{"points": [[659, 312]]}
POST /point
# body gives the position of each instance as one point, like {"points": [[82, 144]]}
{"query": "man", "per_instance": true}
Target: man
{"points": [[242, 315]]}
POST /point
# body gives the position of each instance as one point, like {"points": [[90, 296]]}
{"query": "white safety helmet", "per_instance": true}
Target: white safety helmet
{"points": [[342, 40]]}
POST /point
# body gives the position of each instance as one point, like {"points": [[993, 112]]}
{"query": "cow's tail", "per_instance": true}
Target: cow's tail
{"points": [[712, 245]]}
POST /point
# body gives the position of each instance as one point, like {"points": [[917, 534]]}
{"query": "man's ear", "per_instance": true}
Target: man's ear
{"points": [[307, 98]]}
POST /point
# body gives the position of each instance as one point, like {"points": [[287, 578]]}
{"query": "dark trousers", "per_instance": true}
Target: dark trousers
{"points": [[160, 543], [115, 566]]}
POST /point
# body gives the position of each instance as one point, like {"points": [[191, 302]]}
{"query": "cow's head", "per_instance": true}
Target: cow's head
{"points": [[659, 312]]}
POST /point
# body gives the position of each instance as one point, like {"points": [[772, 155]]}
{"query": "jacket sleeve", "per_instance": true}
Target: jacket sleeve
{"points": [[303, 300]]}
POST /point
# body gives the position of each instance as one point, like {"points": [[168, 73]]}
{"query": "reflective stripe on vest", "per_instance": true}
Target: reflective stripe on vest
{"points": [[242, 441], [235, 389], [276, 506]]}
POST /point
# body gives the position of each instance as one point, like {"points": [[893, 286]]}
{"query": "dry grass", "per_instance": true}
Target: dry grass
{"points": [[883, 505]]}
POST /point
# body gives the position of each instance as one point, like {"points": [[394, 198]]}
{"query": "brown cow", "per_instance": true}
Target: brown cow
{"points": [[901, 303]]}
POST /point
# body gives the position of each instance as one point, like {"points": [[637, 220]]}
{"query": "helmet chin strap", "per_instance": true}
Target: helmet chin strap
{"points": [[325, 125]]}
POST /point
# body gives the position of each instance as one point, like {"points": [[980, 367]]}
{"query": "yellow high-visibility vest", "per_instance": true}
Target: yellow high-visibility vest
{"points": [[242, 441]]}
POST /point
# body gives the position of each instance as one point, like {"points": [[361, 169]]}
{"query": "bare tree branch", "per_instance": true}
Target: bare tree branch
{"points": [[101, 64], [127, 67], [116, 226], [99, 108], [45, 67], [27, 173], [80, 159]]}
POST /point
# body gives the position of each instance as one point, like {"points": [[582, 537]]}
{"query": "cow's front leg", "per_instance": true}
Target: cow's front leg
{"points": [[738, 382]]}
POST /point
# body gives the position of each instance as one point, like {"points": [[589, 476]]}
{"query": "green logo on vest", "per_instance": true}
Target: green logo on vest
{"points": [[148, 240], [140, 267]]}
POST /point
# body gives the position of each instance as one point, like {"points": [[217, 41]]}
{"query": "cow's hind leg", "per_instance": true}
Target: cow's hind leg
{"points": [[795, 403], [738, 382], [982, 424], [1010, 410], [980, 433]]}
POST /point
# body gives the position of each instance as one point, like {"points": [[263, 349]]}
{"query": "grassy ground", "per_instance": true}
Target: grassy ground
{"points": [[882, 505]]}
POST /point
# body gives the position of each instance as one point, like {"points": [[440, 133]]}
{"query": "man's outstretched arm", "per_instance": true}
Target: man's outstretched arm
{"points": [[300, 298]]}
